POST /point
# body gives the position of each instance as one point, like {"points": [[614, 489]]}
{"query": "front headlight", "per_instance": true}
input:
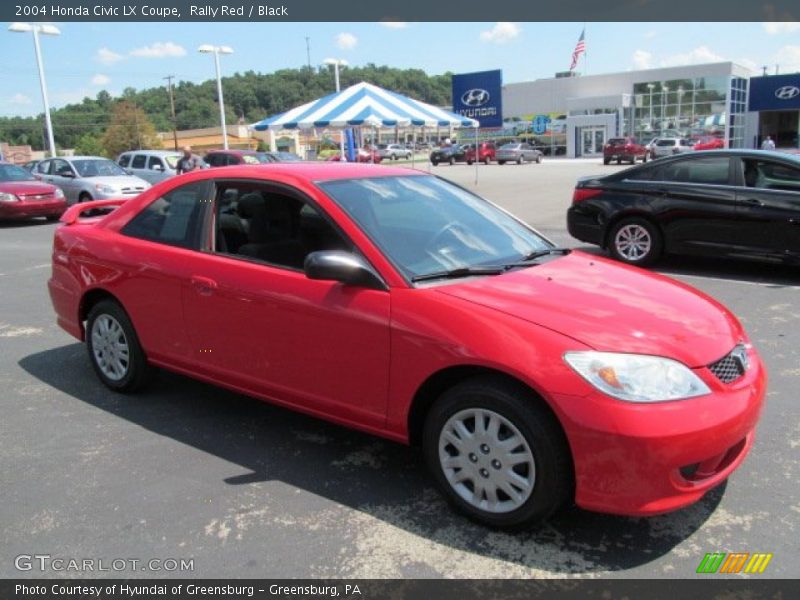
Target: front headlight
{"points": [[59, 194], [106, 189], [8, 197], [637, 377]]}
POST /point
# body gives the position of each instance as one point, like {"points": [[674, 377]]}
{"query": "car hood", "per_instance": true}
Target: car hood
{"points": [[119, 181], [26, 187], [610, 307]]}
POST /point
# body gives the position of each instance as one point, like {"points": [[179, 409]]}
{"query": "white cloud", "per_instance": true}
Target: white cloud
{"points": [[501, 33], [20, 99], [642, 59], [700, 55], [779, 27], [346, 41], [108, 57], [788, 59], [101, 79], [394, 24], [750, 64], [159, 50]]}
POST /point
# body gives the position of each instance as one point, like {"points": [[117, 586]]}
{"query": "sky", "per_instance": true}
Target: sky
{"points": [[89, 57]]}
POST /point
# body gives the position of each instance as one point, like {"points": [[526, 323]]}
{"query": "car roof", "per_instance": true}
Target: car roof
{"points": [[235, 152], [313, 171], [152, 152], [83, 157]]}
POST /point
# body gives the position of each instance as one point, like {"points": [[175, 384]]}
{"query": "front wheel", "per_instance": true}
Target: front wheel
{"points": [[636, 241], [501, 162], [497, 454], [114, 349], [519, 160]]}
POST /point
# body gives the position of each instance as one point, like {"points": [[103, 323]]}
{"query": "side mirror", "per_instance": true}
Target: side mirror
{"points": [[346, 267]]}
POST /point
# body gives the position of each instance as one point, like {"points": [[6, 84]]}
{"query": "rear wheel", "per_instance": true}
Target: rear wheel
{"points": [[538, 159], [519, 160], [501, 162], [497, 454], [606, 161], [636, 241], [114, 349]]}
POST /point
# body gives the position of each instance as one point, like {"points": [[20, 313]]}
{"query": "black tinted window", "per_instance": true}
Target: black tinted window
{"points": [[214, 160], [124, 160], [138, 161], [154, 162], [709, 171], [176, 218], [769, 175]]}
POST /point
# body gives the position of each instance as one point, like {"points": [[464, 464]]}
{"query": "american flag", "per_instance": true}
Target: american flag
{"points": [[580, 48]]}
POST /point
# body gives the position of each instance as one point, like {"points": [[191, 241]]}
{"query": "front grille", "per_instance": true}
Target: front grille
{"points": [[36, 197], [731, 366]]}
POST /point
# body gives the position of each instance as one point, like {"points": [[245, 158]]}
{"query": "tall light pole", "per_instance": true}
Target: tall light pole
{"points": [[216, 51], [680, 96], [36, 30], [169, 79], [650, 87], [337, 62], [664, 92]]}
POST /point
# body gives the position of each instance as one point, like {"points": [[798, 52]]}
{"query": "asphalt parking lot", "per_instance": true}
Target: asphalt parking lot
{"points": [[245, 489]]}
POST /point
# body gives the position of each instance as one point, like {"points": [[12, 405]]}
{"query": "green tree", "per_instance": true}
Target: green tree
{"points": [[89, 145], [129, 129]]}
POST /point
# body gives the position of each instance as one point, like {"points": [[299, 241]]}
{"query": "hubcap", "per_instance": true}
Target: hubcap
{"points": [[486, 460], [633, 242], [110, 347]]}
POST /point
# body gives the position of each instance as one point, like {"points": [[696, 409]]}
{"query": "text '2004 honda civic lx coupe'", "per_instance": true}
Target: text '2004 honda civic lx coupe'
{"points": [[397, 303]]}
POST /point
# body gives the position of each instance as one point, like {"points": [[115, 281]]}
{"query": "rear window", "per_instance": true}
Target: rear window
{"points": [[617, 141], [138, 161], [665, 143]]}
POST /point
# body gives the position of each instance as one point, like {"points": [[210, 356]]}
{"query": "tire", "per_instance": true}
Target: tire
{"points": [[635, 241], [469, 162], [487, 161], [538, 159], [619, 161], [434, 162], [644, 158], [84, 197], [109, 326], [452, 161], [543, 478], [501, 162], [606, 161], [394, 157], [519, 160], [52, 218]]}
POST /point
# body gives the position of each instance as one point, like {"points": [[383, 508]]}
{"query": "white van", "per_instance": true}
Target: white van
{"points": [[150, 165]]}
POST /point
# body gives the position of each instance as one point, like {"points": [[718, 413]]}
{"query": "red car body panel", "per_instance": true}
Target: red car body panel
{"points": [[709, 143], [486, 151], [359, 357], [624, 149], [36, 199]]}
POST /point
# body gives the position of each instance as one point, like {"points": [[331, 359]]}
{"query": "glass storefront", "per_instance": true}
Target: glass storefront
{"points": [[692, 107]]}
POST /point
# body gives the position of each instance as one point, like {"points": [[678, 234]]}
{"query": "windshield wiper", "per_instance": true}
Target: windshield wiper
{"points": [[460, 272], [540, 253]]}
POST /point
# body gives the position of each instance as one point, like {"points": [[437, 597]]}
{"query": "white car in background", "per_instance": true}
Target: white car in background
{"points": [[87, 178], [394, 151], [669, 146]]}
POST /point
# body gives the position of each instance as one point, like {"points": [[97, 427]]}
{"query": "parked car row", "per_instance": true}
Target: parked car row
{"points": [[487, 152]]}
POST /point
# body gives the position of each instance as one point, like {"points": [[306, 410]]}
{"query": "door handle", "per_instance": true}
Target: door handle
{"points": [[205, 286], [753, 201]]}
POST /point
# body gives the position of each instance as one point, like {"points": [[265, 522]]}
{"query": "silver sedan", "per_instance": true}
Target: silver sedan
{"points": [[518, 153], [86, 178]]}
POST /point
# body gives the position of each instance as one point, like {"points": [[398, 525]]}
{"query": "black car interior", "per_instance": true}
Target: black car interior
{"points": [[271, 225]]}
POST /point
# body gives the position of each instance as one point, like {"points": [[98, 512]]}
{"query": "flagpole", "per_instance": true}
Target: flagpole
{"points": [[585, 53]]}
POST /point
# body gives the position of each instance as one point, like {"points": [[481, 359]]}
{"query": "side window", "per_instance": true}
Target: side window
{"points": [[707, 171], [138, 161], [769, 175], [258, 222], [176, 218], [60, 167], [212, 160], [43, 167], [124, 160], [234, 160], [154, 161]]}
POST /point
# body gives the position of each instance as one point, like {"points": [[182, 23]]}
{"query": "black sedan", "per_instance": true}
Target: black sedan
{"points": [[741, 203], [449, 154]]}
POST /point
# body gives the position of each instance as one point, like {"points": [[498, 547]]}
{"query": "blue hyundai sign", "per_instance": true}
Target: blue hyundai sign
{"points": [[775, 92], [479, 96]]}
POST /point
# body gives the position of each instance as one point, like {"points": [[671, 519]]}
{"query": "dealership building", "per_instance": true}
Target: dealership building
{"points": [[577, 114]]}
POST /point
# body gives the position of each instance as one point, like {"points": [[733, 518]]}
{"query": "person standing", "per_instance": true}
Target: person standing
{"points": [[188, 162], [768, 144]]}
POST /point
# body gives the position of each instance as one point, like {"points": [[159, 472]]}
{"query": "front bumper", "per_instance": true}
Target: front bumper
{"points": [[25, 210], [645, 459]]}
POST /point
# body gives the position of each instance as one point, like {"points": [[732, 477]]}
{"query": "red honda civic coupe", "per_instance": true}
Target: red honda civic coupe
{"points": [[395, 302], [22, 196]]}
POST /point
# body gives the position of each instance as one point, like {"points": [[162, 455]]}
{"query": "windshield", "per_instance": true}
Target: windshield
{"points": [[424, 224], [97, 167], [15, 173]]}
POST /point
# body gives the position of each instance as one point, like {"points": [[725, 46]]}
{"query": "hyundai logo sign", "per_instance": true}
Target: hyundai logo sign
{"points": [[475, 97], [787, 92]]}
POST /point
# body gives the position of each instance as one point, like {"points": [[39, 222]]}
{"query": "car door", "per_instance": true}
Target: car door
{"points": [[257, 322], [166, 240], [696, 203], [63, 175], [155, 171], [769, 206]]}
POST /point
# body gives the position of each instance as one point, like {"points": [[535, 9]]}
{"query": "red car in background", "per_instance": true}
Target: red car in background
{"points": [[400, 304], [626, 149], [23, 196], [362, 156], [486, 152], [710, 142]]}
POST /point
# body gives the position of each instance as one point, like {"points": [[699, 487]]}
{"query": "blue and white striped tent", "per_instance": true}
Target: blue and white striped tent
{"points": [[364, 105]]}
